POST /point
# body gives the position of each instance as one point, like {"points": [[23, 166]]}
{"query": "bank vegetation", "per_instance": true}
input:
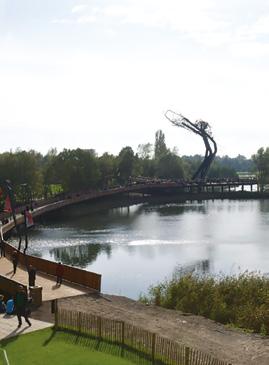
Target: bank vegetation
{"points": [[241, 301]]}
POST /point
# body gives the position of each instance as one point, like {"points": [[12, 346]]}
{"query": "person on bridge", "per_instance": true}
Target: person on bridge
{"points": [[21, 306], [31, 275], [2, 248], [2, 304], [59, 273], [15, 259]]}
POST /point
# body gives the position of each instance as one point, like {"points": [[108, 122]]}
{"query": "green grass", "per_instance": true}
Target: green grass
{"points": [[241, 301], [49, 347]]}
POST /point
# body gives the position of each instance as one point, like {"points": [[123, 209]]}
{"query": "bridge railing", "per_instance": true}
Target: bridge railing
{"points": [[9, 286], [70, 273], [75, 275]]}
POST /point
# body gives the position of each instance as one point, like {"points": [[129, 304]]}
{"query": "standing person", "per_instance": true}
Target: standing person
{"points": [[15, 261], [2, 304], [59, 273], [31, 275], [2, 248], [21, 306]]}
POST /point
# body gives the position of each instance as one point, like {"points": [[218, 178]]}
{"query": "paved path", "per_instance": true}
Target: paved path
{"points": [[50, 289], [9, 326], [43, 318]]}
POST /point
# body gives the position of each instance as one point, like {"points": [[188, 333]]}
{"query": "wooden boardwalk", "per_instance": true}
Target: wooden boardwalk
{"points": [[50, 289], [41, 318]]}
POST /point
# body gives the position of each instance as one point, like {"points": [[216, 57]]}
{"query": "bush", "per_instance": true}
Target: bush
{"points": [[242, 301]]}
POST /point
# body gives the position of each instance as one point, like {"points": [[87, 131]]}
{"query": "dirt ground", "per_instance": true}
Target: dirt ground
{"points": [[231, 345]]}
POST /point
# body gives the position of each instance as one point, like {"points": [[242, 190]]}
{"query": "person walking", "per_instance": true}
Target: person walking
{"points": [[2, 248], [59, 273], [31, 275], [15, 261], [21, 306], [2, 304]]}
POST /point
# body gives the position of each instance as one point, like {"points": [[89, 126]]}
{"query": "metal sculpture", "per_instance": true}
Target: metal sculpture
{"points": [[203, 129]]}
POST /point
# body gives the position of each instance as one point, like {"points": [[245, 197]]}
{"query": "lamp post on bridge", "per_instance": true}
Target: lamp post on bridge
{"points": [[28, 205]]}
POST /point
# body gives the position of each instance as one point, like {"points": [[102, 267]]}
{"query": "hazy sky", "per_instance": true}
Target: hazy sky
{"points": [[101, 74]]}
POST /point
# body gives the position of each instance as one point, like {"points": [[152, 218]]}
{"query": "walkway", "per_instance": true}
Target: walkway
{"points": [[50, 289], [9, 326]]}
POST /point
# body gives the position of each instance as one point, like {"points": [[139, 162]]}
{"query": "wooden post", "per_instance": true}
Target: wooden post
{"points": [[56, 314], [79, 322], [99, 324], [153, 347], [122, 333], [187, 356]]}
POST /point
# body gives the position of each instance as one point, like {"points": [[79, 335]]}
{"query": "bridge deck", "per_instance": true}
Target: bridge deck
{"points": [[50, 289]]}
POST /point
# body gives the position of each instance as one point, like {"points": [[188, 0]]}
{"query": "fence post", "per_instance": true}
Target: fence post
{"points": [[122, 333], [56, 313], [153, 347], [79, 322], [99, 325], [187, 356]]}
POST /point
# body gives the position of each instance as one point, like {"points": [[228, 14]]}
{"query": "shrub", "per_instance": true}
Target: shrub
{"points": [[242, 300]]}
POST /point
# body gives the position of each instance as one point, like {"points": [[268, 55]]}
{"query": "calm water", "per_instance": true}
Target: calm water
{"points": [[136, 247]]}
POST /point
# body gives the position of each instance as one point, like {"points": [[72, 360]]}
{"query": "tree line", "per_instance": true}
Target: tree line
{"points": [[81, 169]]}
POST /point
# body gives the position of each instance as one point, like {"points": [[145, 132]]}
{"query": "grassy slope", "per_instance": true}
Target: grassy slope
{"points": [[46, 347]]}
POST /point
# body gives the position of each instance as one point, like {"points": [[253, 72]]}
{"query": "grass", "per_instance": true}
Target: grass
{"points": [[240, 301], [51, 347]]}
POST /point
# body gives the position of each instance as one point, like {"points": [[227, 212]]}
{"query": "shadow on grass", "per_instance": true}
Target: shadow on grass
{"points": [[105, 346], [53, 333]]}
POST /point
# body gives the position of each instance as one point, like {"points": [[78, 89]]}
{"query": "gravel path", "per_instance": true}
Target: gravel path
{"points": [[197, 332]]}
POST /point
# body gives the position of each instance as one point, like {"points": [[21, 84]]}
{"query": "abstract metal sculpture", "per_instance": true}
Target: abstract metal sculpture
{"points": [[203, 129]]}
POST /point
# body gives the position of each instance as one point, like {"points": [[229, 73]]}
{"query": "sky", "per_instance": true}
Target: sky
{"points": [[101, 73]]}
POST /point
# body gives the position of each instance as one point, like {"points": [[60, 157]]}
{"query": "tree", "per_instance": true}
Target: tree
{"points": [[126, 163], [169, 166], [22, 167], [144, 151], [261, 161], [107, 167], [160, 148], [76, 169]]}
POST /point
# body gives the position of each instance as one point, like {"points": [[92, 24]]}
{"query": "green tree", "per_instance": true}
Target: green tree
{"points": [[160, 148], [21, 167], [107, 166], [76, 169], [126, 164], [261, 161], [170, 166]]}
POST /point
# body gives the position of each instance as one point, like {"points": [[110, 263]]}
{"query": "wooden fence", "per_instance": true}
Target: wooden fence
{"points": [[155, 347]]}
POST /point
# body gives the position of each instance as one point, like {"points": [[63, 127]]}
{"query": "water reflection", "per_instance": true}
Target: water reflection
{"points": [[200, 268], [176, 209], [79, 255]]}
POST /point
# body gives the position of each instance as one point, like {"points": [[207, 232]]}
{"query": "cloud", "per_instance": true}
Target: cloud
{"points": [[86, 19], [206, 22], [79, 8]]}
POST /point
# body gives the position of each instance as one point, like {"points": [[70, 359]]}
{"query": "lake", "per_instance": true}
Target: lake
{"points": [[137, 246]]}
